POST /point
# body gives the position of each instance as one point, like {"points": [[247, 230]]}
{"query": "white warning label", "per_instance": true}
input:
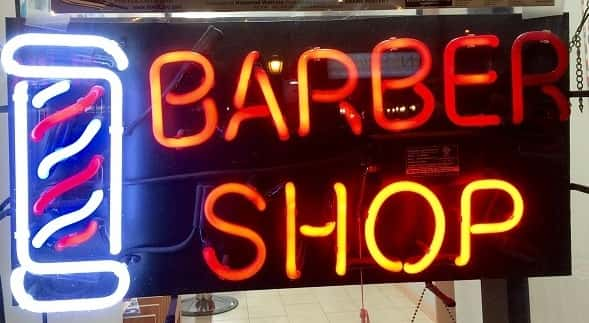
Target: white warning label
{"points": [[432, 160]]}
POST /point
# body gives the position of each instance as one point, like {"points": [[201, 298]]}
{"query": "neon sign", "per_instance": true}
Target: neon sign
{"points": [[272, 110], [142, 163], [21, 152]]}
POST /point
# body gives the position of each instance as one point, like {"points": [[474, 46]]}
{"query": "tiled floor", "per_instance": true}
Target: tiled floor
{"points": [[385, 304]]}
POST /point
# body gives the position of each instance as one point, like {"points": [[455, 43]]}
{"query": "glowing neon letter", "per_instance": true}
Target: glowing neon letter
{"points": [[193, 96], [270, 109], [209, 254], [342, 229], [326, 96], [439, 227], [452, 79], [414, 81], [292, 271], [519, 80], [466, 229]]}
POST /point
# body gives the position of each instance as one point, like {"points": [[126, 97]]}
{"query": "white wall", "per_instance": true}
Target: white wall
{"points": [[565, 299], [13, 313], [559, 299]]}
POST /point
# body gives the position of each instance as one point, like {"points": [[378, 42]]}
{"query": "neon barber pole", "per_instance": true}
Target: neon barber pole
{"points": [[22, 102]]}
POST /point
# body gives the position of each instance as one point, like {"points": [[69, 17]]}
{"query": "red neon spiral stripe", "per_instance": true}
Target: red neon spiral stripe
{"points": [[67, 113], [77, 238], [50, 194]]}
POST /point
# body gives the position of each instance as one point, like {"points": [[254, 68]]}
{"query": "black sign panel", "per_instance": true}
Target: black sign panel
{"points": [[294, 153]]}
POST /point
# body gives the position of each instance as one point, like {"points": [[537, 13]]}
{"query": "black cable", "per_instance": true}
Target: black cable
{"points": [[4, 204], [227, 172], [171, 316], [17, 8], [579, 188], [129, 253], [166, 249], [203, 45]]}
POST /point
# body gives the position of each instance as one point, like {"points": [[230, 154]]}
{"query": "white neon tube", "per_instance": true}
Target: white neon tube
{"points": [[11, 66], [68, 219], [22, 235], [21, 141], [34, 39], [27, 302], [20, 97], [50, 92], [68, 151]]}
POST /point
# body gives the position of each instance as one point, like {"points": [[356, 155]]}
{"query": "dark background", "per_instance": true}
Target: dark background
{"points": [[164, 188]]}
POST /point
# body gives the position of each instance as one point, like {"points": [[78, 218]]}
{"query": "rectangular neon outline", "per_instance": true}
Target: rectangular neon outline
{"points": [[22, 232], [22, 236], [12, 67]]}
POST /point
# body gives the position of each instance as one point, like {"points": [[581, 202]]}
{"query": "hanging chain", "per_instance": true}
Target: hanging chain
{"points": [[450, 314], [576, 44], [418, 305]]}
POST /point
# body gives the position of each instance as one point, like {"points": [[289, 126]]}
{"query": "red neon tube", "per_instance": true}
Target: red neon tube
{"points": [[453, 79], [78, 238], [415, 81], [82, 105], [50, 194], [519, 80]]}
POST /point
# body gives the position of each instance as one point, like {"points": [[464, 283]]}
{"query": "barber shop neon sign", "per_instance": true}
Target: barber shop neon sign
{"points": [[38, 184], [271, 108]]}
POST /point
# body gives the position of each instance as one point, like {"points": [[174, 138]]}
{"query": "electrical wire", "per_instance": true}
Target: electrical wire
{"points": [[4, 204], [579, 188], [196, 223], [364, 316], [203, 44], [228, 172]]}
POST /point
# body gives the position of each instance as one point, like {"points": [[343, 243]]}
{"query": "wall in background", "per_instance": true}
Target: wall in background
{"points": [[564, 299]]}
